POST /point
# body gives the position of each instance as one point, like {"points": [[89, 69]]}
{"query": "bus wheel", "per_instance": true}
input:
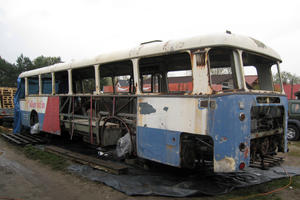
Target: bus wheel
{"points": [[34, 123], [292, 132]]}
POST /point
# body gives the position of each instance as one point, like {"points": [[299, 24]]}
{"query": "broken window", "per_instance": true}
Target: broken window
{"points": [[275, 77], [151, 83], [83, 80], [166, 74], [122, 83], [251, 79], [106, 85], [259, 72], [117, 77], [46, 83], [146, 83], [180, 81], [61, 82], [33, 85], [222, 71]]}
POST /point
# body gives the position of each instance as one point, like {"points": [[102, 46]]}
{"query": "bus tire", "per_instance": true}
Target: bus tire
{"points": [[292, 132]]}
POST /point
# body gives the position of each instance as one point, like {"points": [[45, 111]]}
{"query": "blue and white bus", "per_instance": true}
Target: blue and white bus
{"points": [[223, 120]]}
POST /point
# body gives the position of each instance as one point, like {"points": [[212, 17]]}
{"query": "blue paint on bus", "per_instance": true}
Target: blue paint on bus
{"points": [[159, 145], [25, 119], [224, 126]]}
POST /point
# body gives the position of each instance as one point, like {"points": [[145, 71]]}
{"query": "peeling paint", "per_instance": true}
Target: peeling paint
{"points": [[146, 108], [170, 146], [246, 153], [227, 164], [223, 139], [175, 114]]}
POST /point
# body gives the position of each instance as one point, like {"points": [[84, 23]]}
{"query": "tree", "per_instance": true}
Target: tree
{"points": [[287, 77], [8, 74], [23, 63], [43, 61]]}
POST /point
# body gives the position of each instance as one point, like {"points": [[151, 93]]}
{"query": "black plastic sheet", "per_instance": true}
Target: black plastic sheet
{"points": [[142, 182]]}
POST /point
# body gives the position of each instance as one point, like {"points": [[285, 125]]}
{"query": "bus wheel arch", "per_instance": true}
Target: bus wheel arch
{"points": [[34, 117]]}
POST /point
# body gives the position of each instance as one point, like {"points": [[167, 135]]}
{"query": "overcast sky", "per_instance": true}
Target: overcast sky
{"points": [[79, 29]]}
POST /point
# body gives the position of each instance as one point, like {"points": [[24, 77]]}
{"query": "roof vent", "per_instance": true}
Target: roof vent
{"points": [[228, 32], [152, 41]]}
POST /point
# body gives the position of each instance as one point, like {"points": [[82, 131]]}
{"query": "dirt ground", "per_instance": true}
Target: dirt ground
{"points": [[22, 178]]}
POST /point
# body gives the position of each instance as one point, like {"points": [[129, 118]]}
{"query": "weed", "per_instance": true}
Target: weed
{"points": [[296, 143], [253, 192], [56, 162]]}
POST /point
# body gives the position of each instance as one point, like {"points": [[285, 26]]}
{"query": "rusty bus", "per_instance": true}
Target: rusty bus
{"points": [[220, 120]]}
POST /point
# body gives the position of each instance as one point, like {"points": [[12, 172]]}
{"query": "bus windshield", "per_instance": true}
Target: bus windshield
{"points": [[260, 73], [222, 69]]}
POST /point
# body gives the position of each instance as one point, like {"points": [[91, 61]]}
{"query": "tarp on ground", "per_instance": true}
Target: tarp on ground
{"points": [[141, 182]]}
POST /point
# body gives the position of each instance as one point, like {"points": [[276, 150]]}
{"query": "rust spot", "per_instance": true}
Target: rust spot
{"points": [[246, 153], [170, 146], [165, 47], [223, 139]]}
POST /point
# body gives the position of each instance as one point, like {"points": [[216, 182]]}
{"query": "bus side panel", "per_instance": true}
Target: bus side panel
{"points": [[30, 104], [47, 109], [159, 145], [172, 113], [51, 119], [228, 131], [161, 120]]}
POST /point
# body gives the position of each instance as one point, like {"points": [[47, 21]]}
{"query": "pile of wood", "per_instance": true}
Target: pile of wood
{"points": [[7, 97]]}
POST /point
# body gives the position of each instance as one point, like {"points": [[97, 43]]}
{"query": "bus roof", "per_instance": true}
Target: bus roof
{"points": [[159, 47]]}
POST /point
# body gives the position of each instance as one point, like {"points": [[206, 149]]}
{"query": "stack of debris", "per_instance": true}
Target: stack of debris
{"points": [[7, 97]]}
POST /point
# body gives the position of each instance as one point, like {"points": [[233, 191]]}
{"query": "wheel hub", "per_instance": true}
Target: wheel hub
{"points": [[291, 133]]}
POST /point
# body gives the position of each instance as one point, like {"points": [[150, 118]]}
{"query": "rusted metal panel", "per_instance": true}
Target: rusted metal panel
{"points": [[201, 82]]}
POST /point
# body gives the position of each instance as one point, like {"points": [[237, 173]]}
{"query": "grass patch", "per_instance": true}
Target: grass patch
{"points": [[294, 153], [294, 143], [294, 148], [54, 161], [296, 182]]}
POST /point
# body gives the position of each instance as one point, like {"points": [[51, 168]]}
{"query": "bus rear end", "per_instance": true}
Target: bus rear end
{"points": [[247, 111], [235, 116]]}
